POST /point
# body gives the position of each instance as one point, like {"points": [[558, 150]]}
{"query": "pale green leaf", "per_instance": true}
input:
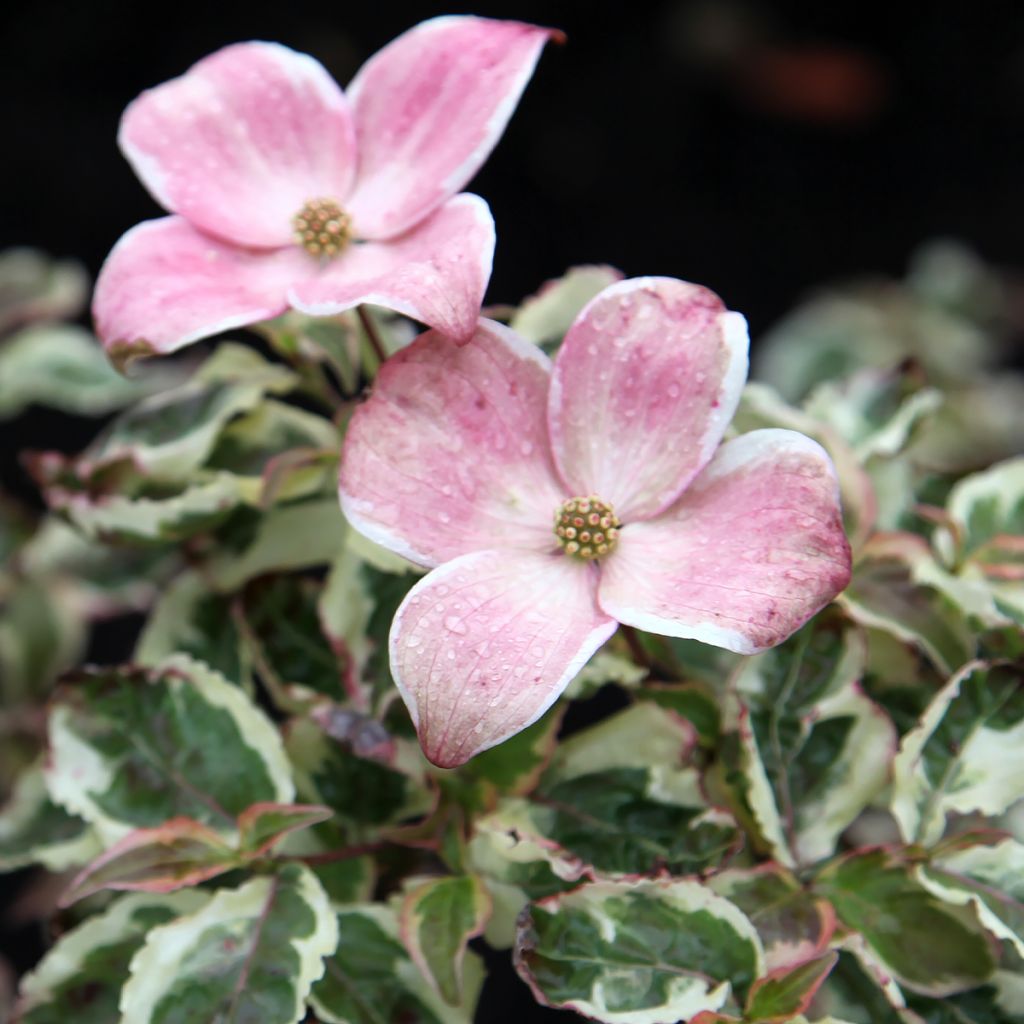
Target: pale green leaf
{"points": [[546, 316], [438, 917], [965, 755]]}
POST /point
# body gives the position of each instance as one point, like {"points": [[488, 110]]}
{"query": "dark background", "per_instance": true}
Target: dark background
{"points": [[758, 148]]}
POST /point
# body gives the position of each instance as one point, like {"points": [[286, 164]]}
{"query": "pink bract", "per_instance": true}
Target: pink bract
{"points": [[238, 146], [462, 457]]}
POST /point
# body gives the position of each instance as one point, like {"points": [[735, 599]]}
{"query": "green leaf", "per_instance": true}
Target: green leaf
{"points": [[33, 829], [437, 919], [603, 668], [813, 750], [546, 316], [894, 590], [371, 978], [991, 879], [131, 748], [623, 797], [965, 755], [793, 923], [926, 944], [80, 979], [787, 991], [297, 536], [514, 767], [287, 641], [651, 952], [263, 826], [998, 1003], [693, 701], [177, 854], [375, 790], [250, 953], [64, 367], [191, 619]]}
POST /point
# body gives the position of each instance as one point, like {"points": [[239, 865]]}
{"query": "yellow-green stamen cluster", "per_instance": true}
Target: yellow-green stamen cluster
{"points": [[322, 228], [587, 528]]}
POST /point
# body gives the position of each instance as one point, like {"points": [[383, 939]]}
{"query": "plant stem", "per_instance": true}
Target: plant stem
{"points": [[376, 342], [333, 856]]}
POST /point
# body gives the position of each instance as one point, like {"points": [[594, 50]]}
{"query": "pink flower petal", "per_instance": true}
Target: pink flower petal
{"points": [[483, 646], [428, 110], [747, 555], [450, 453], [242, 140], [437, 273], [165, 285], [644, 386]]}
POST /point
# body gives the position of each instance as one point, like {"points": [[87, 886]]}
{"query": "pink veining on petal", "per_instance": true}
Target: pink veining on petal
{"points": [[242, 140], [165, 285], [436, 273], [644, 386], [748, 553], [484, 645], [429, 108], [450, 453]]}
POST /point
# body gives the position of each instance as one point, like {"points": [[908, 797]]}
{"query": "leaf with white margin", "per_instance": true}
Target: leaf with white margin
{"points": [[438, 917], [927, 944], [547, 315], [813, 749], [191, 619], [651, 952], [251, 953], [131, 748], [991, 878], [603, 668], [117, 519], [786, 991], [966, 754], [625, 797], [34, 286], [80, 978], [371, 979], [64, 367], [33, 829]]}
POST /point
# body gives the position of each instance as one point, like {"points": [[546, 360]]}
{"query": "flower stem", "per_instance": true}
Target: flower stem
{"points": [[376, 342]]}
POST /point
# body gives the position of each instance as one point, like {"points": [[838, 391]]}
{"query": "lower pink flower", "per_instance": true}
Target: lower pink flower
{"points": [[554, 502]]}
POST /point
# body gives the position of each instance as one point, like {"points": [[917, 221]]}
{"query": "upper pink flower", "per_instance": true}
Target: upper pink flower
{"points": [[470, 459], [286, 192]]}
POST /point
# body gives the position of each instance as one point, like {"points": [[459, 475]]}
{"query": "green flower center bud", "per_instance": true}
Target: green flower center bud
{"points": [[322, 228], [587, 528]]}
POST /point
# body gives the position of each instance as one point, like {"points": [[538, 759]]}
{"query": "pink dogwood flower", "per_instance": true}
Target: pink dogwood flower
{"points": [[554, 502], [286, 192]]}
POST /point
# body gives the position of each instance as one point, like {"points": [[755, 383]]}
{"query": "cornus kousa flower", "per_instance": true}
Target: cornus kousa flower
{"points": [[287, 192], [554, 502]]}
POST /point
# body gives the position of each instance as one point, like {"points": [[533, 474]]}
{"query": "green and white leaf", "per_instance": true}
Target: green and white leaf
{"points": [[924, 942], [251, 953], [603, 668], [80, 978], [34, 286], [546, 316], [64, 367], [33, 829], [438, 917], [991, 879], [652, 952], [131, 748], [371, 978], [965, 755]]}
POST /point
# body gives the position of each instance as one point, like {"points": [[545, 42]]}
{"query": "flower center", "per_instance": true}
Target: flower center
{"points": [[322, 228], [587, 528]]}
